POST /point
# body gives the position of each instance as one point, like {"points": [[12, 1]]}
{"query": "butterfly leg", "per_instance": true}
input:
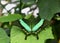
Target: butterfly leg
{"points": [[36, 33], [26, 33], [37, 36], [25, 37]]}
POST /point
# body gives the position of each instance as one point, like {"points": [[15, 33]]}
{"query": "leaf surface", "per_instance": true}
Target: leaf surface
{"points": [[48, 8], [10, 18], [3, 36]]}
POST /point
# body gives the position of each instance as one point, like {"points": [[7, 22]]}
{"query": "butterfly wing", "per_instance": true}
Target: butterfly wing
{"points": [[36, 27], [25, 25]]}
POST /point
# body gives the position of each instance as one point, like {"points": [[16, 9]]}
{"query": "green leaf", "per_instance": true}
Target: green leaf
{"points": [[28, 16], [3, 36], [48, 8], [10, 18], [28, 1], [17, 36]]}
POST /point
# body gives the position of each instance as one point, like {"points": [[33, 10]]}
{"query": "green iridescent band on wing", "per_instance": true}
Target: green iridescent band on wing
{"points": [[25, 25], [39, 24]]}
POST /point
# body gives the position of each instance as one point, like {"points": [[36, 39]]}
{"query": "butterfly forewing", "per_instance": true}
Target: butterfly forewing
{"points": [[39, 24], [25, 25]]}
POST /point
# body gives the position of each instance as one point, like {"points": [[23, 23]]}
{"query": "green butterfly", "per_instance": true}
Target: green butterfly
{"points": [[34, 30]]}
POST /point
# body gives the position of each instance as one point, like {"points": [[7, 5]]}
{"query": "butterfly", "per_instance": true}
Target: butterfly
{"points": [[34, 30]]}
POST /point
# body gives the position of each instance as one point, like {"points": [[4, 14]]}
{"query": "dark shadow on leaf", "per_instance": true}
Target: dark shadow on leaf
{"points": [[56, 27], [50, 41]]}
